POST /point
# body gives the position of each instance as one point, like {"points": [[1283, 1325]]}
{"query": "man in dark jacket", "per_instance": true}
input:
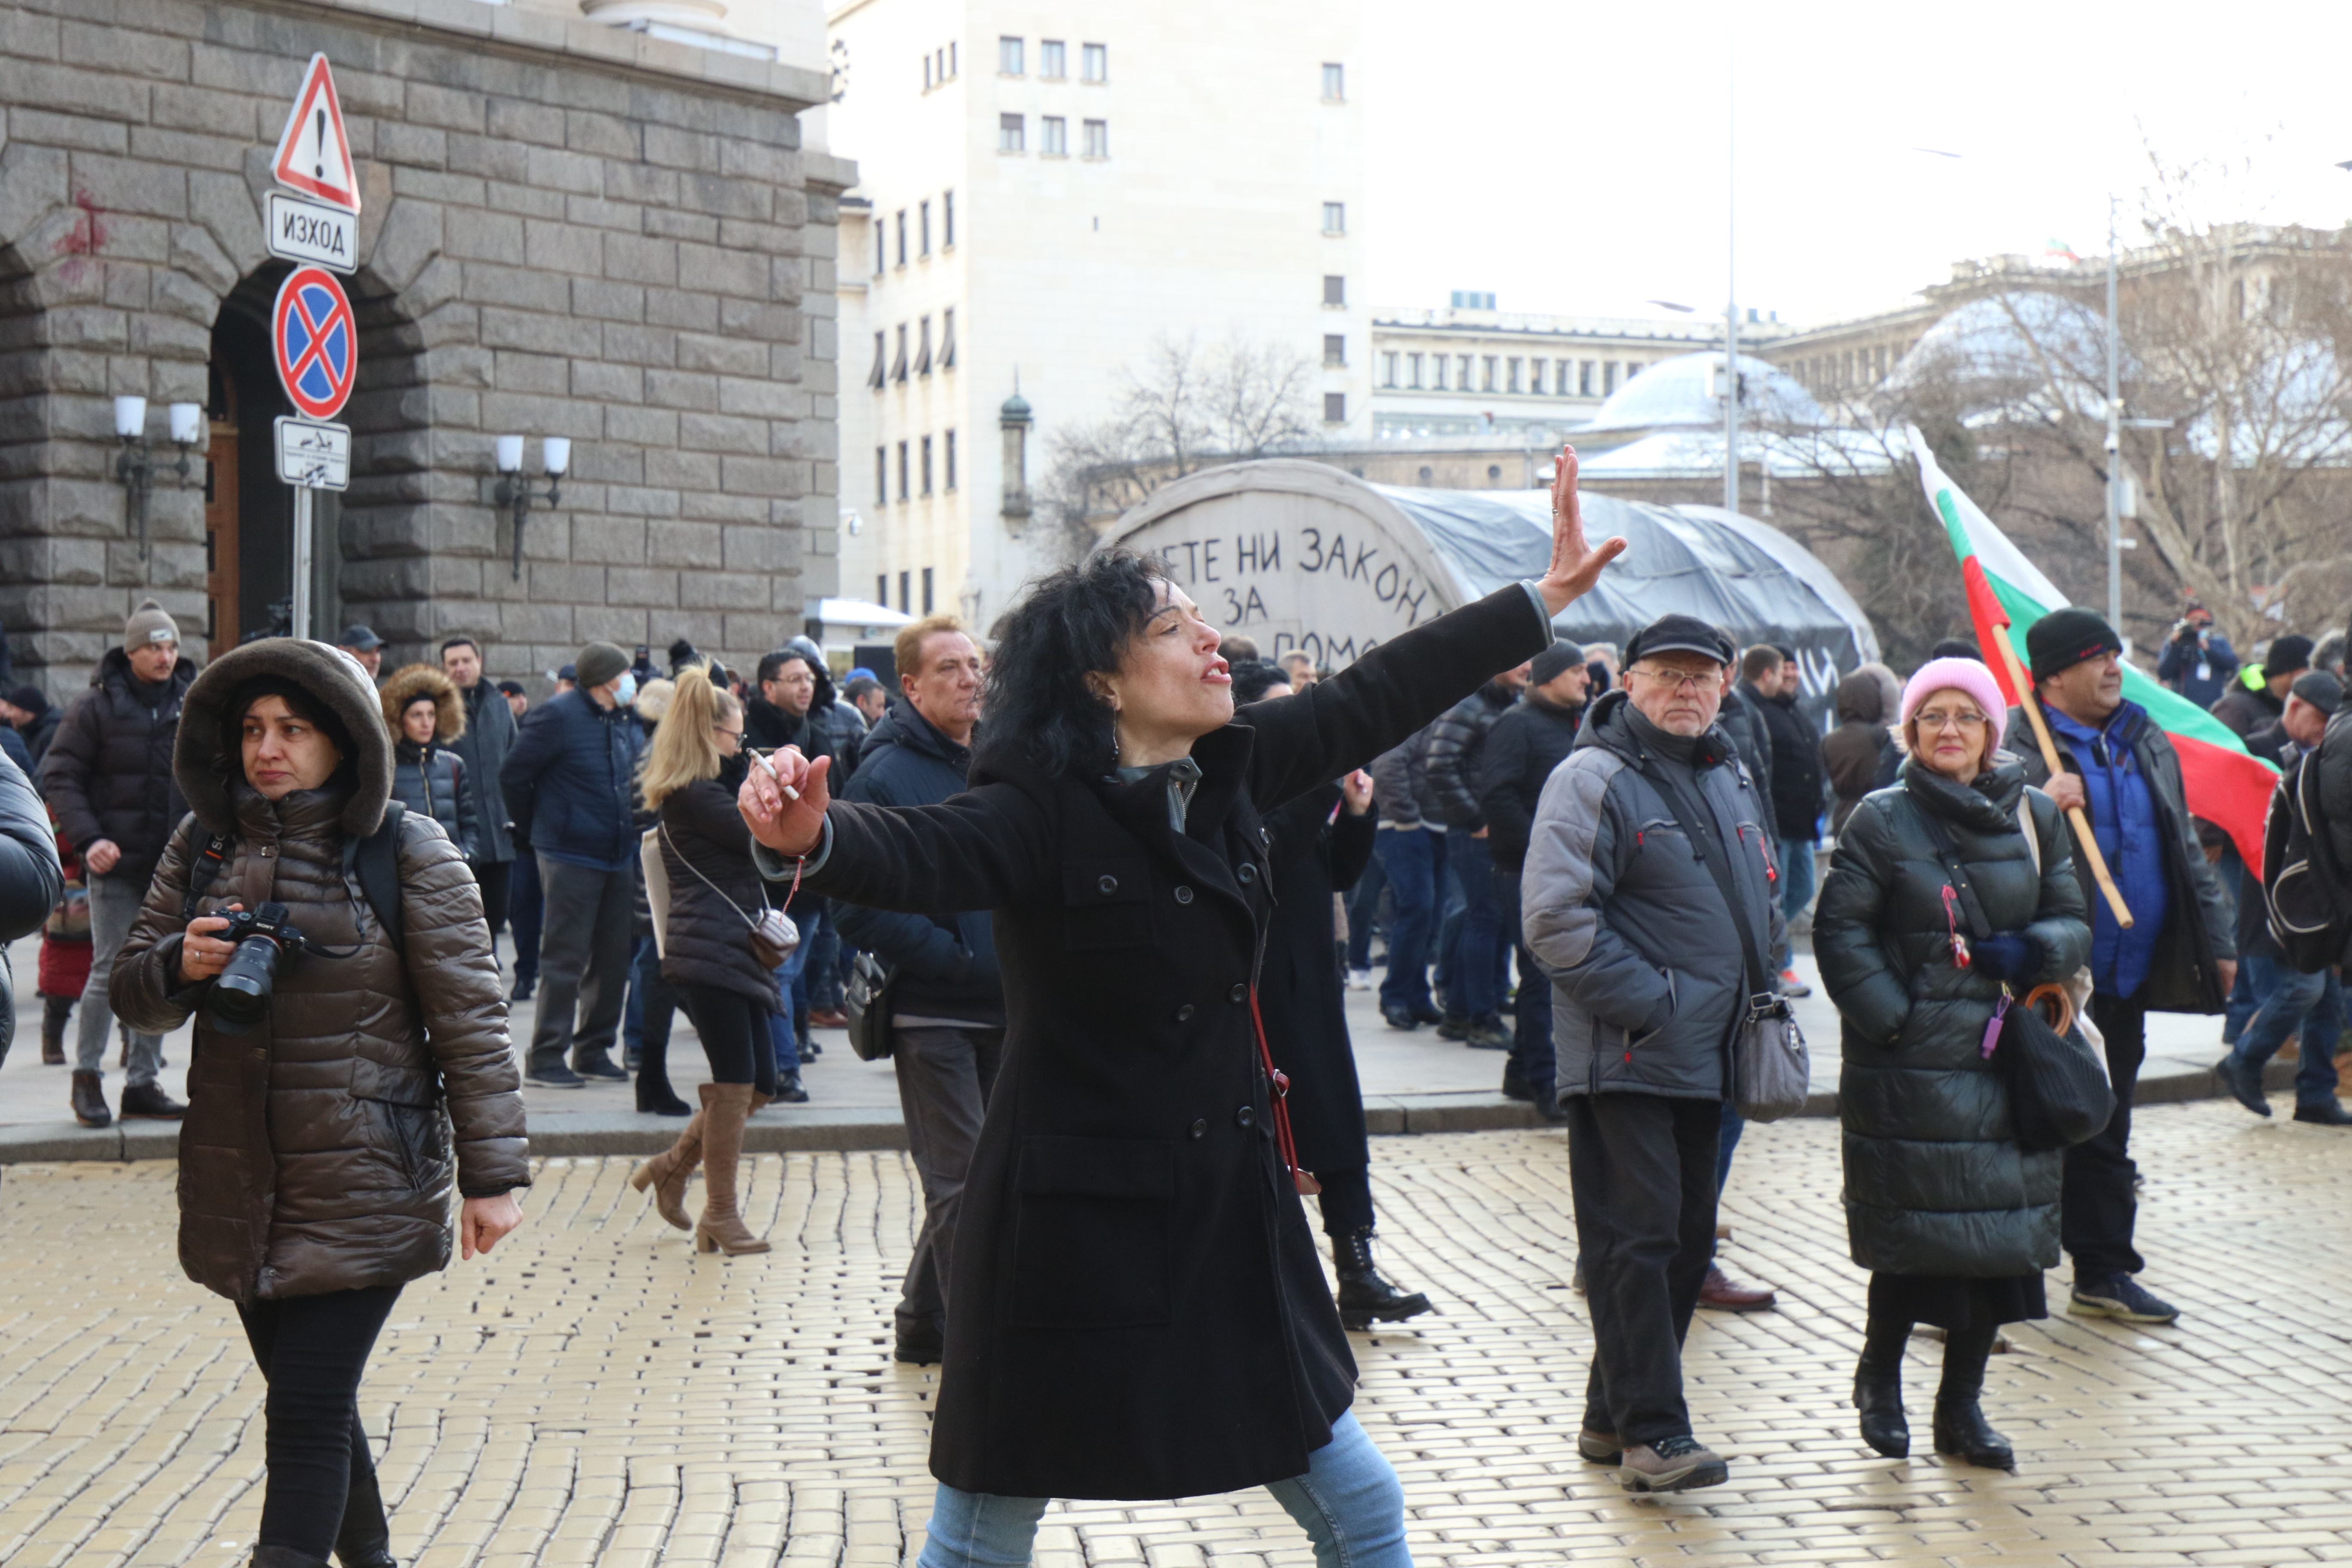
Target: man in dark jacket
{"points": [[1482, 943], [571, 792], [31, 880], [1629, 918], [108, 777], [2197, 661], [1521, 751], [1796, 789], [1742, 716], [946, 999], [1410, 843], [2181, 954], [2259, 695], [489, 736], [35, 718]]}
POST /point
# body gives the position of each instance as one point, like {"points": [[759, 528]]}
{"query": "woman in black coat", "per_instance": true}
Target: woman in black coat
{"points": [[1140, 1314], [1954, 1222], [1319, 849], [423, 708]]}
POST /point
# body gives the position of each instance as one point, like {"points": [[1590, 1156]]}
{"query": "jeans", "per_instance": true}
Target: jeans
{"points": [[311, 1351], [652, 1003], [1409, 857], [1796, 885], [1349, 1502], [784, 1039], [584, 948], [1482, 947], [944, 1077], [2293, 1002], [1450, 908], [1363, 911], [824, 971], [1642, 1170], [1532, 1060], [2097, 1206], [526, 910], [2242, 1001], [113, 906]]}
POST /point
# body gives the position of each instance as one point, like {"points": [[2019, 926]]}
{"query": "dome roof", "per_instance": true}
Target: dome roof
{"points": [[1679, 393], [1999, 353]]}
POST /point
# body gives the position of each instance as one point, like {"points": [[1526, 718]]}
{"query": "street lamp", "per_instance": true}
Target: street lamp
{"points": [[515, 492], [136, 467]]}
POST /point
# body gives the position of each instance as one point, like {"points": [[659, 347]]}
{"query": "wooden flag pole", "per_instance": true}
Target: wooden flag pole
{"points": [[2084, 841]]}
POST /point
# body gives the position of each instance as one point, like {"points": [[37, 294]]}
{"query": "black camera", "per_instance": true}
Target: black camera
{"points": [[240, 996]]}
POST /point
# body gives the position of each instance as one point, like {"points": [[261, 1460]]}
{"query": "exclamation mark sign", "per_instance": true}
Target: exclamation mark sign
{"points": [[320, 169]]}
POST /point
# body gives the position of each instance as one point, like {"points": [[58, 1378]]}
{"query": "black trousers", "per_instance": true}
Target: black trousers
{"points": [[1346, 1201], [734, 1031], [2097, 1205], [525, 905], [311, 1351], [583, 954], [497, 881], [1642, 1169]]}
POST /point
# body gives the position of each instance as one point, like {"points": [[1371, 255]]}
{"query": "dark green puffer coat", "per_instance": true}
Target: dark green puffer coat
{"points": [[1934, 1182]]}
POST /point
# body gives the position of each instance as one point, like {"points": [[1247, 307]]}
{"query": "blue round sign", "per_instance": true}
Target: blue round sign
{"points": [[315, 342]]}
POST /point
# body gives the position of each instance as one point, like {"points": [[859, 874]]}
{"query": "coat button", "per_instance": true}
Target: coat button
{"points": [[1184, 895], [1245, 1116], [1200, 1128], [1184, 1014], [1240, 993], [1106, 886], [1265, 836], [1248, 874]]}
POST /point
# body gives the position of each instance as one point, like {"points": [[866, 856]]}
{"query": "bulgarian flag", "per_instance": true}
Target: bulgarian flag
{"points": [[2227, 786]]}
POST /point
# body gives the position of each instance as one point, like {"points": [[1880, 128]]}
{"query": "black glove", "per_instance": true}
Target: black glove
{"points": [[2008, 956]]}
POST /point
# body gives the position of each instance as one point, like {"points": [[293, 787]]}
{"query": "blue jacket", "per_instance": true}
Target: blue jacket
{"points": [[946, 963], [2201, 675], [571, 783], [2130, 834]]}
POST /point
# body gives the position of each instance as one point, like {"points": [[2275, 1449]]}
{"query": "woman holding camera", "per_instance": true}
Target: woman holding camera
{"points": [[425, 713], [317, 1159], [716, 900], [1139, 1311], [1954, 1222]]}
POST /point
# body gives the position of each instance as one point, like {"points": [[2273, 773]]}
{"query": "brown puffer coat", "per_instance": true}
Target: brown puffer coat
{"points": [[317, 1153]]}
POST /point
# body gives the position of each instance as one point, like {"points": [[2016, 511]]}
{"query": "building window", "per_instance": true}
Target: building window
{"points": [[1095, 61], [923, 235], [1413, 371], [882, 589], [1050, 57], [1011, 135], [1534, 376], [1053, 136], [947, 350], [951, 460], [881, 475], [1461, 373], [1098, 138], [1634, 367], [1388, 365], [927, 465], [951, 59], [1335, 289], [1584, 378], [1335, 351], [1335, 408], [1427, 473], [1439, 361], [926, 590], [902, 470], [1489, 383], [1335, 81], [902, 236], [1608, 376], [923, 347], [1335, 217], [906, 599], [881, 247], [898, 366], [1513, 370], [879, 376], [1494, 471], [1008, 57], [947, 220]]}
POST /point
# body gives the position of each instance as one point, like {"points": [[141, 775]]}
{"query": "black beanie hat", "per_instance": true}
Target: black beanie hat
{"points": [[2064, 639], [2288, 655], [1553, 662]]}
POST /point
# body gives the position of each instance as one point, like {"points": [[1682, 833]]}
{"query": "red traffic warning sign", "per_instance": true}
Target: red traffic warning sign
{"points": [[315, 342], [314, 155]]}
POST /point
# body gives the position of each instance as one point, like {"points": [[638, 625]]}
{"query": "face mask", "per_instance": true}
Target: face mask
{"points": [[628, 692]]}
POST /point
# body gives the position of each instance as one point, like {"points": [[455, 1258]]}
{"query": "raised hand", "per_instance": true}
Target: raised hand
{"points": [[1356, 789], [783, 800], [1575, 563]]}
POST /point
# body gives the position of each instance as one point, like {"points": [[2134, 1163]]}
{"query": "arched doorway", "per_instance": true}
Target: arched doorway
{"points": [[249, 515]]}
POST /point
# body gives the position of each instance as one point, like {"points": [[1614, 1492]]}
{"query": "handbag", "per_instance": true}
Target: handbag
{"points": [[1771, 1069], [2057, 1085], [649, 858], [866, 1001], [773, 935], [2077, 985]]}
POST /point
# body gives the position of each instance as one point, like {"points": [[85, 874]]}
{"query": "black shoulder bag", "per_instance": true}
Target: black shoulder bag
{"points": [[866, 1001]]}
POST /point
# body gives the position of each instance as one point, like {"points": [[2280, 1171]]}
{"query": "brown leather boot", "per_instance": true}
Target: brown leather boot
{"points": [[668, 1172], [721, 1228]]}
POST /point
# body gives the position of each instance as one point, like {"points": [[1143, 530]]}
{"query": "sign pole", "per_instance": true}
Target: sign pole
{"points": [[301, 616]]}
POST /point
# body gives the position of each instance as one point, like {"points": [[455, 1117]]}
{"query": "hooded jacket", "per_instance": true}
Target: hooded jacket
{"points": [[1648, 973], [430, 779], [320, 1149], [1454, 745], [108, 775], [1853, 753], [1934, 1182]]}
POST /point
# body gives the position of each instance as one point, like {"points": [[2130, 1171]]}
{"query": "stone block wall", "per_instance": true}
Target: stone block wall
{"points": [[567, 230]]}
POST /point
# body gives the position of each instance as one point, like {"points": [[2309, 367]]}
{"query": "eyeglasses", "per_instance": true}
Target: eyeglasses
{"points": [[1967, 724], [1684, 685], [730, 734]]}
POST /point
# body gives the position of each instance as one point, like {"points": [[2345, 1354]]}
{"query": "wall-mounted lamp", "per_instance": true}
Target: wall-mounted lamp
{"points": [[136, 467], [515, 492]]}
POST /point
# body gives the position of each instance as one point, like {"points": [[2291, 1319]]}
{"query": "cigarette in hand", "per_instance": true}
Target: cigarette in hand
{"points": [[766, 761]]}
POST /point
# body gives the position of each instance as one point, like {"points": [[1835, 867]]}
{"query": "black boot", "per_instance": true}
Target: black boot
{"points": [[654, 1092], [1878, 1389], [1364, 1294], [364, 1538], [1961, 1430], [285, 1557], [55, 1011]]}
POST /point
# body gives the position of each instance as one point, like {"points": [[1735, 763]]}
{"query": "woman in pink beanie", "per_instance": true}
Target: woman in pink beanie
{"points": [[1954, 1221]]}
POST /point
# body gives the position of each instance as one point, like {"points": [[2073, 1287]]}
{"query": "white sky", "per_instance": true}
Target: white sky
{"points": [[1570, 156]]}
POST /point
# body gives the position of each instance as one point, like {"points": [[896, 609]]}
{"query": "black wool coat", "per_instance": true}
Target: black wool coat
{"points": [[1139, 1309], [1300, 990]]}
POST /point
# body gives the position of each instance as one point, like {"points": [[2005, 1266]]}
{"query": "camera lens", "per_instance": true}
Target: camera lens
{"points": [[240, 997]]}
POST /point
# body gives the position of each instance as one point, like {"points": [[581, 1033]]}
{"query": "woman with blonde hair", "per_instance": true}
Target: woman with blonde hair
{"points": [[690, 778]]}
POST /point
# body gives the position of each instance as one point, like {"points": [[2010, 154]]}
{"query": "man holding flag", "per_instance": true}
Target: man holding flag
{"points": [[2138, 761]]}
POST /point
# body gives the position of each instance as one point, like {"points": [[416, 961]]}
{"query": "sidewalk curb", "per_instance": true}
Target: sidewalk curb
{"points": [[779, 1130]]}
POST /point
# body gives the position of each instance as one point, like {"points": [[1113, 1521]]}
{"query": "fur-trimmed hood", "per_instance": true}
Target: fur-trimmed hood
{"points": [[205, 769], [416, 680]]}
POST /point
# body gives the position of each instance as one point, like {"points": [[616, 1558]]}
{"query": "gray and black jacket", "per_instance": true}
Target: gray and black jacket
{"points": [[1647, 976], [1401, 791]]}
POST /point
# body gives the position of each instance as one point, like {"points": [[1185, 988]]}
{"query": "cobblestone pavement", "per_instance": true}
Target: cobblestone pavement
{"points": [[596, 1393]]}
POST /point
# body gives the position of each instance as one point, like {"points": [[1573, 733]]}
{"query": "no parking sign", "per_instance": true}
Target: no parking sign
{"points": [[315, 342]]}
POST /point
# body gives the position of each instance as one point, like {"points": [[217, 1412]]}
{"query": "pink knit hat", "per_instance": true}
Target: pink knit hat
{"points": [[1967, 675]]}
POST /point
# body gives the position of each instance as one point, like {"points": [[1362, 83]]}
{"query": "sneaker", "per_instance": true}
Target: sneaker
{"points": [[2243, 1080], [1599, 1448], [1790, 985], [1359, 980], [2120, 1297], [555, 1075], [597, 1064], [1676, 1464], [1449, 1028], [789, 1090], [1721, 1293], [808, 1050], [1427, 1015], [1486, 1035], [147, 1101], [1400, 1018]]}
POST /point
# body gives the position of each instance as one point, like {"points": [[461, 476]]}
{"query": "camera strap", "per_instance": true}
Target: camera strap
{"points": [[374, 861]]}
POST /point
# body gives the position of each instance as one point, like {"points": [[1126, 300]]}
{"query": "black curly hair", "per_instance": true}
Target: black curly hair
{"points": [[1072, 622]]}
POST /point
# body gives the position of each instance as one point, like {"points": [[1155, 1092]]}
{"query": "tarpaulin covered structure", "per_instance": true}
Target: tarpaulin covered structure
{"points": [[1302, 555]]}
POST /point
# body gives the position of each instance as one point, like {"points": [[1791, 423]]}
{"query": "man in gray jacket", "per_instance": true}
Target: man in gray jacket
{"points": [[1629, 918]]}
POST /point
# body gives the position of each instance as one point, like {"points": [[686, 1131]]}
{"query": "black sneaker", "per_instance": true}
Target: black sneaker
{"points": [[1453, 1029], [147, 1101], [1427, 1015], [2120, 1297], [555, 1075], [1400, 1018], [599, 1066], [1488, 1034]]}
